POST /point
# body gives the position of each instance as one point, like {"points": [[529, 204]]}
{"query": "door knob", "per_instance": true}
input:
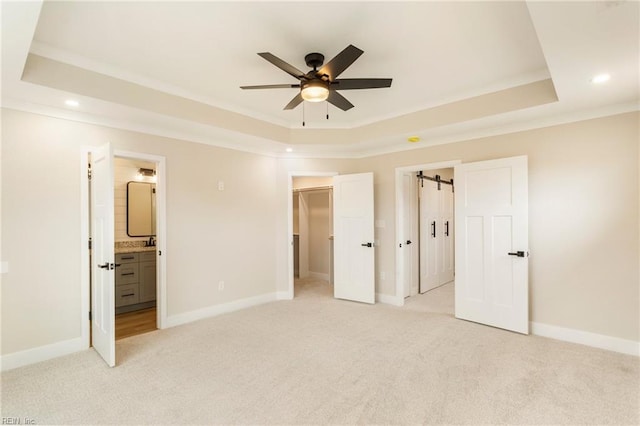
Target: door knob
{"points": [[408, 242], [366, 245], [106, 265], [519, 254]]}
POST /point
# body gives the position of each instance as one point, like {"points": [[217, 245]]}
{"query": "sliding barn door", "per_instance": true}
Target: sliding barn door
{"points": [[446, 217], [353, 233], [492, 243], [430, 242], [436, 234]]}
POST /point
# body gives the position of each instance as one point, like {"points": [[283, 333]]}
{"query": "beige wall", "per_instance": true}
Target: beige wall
{"points": [[584, 221], [211, 235], [583, 218]]}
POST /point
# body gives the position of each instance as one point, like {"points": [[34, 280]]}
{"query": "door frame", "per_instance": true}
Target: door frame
{"points": [[402, 216], [289, 237], [161, 236]]}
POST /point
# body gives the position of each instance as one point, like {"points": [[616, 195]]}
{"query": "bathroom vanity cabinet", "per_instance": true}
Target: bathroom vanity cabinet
{"points": [[135, 281]]}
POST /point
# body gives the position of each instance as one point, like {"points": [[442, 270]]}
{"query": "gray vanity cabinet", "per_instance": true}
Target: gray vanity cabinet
{"points": [[147, 281], [127, 292], [135, 280]]}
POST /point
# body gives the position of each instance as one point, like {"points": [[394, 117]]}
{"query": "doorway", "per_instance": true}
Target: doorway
{"points": [[416, 254], [151, 267], [135, 246], [491, 243], [312, 224]]}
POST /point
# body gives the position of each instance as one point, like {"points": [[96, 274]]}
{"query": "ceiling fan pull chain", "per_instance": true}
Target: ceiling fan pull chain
{"points": [[327, 110], [302, 113]]}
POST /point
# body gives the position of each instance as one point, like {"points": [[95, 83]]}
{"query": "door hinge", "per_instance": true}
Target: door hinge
{"points": [[89, 315], [89, 243], [89, 172]]}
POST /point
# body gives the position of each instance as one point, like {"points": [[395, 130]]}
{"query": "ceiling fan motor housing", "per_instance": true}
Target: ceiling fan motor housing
{"points": [[314, 60]]}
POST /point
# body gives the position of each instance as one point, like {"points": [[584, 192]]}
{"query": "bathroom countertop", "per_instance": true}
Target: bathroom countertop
{"points": [[132, 247]]}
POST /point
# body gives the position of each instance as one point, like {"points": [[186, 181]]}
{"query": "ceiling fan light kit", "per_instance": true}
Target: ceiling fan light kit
{"points": [[322, 84], [315, 91]]}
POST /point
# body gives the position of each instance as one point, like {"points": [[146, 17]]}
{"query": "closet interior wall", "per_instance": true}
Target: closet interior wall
{"points": [[313, 228]]}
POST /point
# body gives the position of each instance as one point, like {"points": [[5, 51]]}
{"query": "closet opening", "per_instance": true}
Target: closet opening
{"points": [[312, 226], [435, 228], [426, 248]]}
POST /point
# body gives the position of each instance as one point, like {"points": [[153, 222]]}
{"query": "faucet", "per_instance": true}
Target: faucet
{"points": [[151, 242]]}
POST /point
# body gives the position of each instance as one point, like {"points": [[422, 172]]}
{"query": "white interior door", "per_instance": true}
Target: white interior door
{"points": [[491, 243], [430, 241], [353, 233], [103, 258]]}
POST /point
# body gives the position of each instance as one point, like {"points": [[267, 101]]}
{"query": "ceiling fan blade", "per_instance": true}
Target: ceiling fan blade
{"points": [[338, 100], [360, 83], [272, 86], [341, 62], [288, 68], [294, 102]]}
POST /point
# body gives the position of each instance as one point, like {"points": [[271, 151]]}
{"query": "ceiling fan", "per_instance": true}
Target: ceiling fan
{"points": [[322, 84]]}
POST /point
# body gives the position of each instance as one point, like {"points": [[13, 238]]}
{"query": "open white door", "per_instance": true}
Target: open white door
{"points": [[354, 275], [491, 243], [103, 265]]}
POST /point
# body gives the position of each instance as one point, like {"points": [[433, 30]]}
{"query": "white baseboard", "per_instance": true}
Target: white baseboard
{"points": [[41, 353], [224, 308], [319, 276], [389, 300], [284, 295], [601, 341]]}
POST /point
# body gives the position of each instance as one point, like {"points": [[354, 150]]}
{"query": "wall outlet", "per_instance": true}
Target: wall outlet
{"points": [[220, 185], [383, 275], [220, 285]]}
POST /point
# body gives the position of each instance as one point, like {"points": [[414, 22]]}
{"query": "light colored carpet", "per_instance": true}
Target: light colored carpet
{"points": [[316, 360]]}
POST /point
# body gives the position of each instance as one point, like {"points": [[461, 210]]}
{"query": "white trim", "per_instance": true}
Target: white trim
{"points": [[85, 270], [283, 295], [601, 341], [289, 236], [400, 216], [41, 353], [389, 300], [212, 311]]}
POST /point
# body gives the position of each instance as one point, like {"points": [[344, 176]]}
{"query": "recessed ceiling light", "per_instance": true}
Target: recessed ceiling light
{"points": [[600, 78], [289, 149], [413, 139], [71, 103]]}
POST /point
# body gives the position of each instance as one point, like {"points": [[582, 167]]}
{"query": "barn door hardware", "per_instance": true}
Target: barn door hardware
{"points": [[436, 178]]}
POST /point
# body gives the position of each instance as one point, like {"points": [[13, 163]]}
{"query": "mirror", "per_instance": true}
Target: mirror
{"points": [[141, 209]]}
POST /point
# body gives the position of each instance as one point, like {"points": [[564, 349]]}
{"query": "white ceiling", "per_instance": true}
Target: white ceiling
{"points": [[459, 69]]}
